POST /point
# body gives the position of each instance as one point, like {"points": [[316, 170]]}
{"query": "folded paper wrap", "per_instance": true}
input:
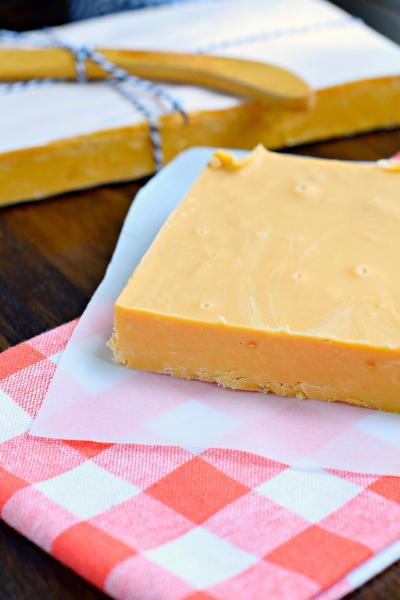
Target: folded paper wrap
{"points": [[68, 136], [91, 398]]}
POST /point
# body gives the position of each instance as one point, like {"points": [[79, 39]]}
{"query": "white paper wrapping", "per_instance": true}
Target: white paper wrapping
{"points": [[90, 398]]}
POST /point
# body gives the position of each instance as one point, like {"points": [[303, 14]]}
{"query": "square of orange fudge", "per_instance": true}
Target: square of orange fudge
{"points": [[277, 274]]}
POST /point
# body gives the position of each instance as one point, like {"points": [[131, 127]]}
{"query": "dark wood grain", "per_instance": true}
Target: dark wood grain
{"points": [[27, 573], [53, 254]]}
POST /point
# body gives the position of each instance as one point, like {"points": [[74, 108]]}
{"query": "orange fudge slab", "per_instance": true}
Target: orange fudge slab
{"points": [[275, 274]]}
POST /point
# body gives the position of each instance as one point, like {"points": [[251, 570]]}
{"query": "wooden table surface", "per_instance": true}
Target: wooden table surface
{"points": [[53, 254]]}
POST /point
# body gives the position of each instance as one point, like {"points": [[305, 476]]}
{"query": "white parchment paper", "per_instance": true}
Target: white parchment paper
{"points": [[90, 398]]}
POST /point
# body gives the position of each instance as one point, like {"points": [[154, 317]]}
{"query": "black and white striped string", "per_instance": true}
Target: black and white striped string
{"points": [[120, 80]]}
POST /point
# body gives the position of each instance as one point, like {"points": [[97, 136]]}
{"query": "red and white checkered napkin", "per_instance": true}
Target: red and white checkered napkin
{"points": [[160, 522]]}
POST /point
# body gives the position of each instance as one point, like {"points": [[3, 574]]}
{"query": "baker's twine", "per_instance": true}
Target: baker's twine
{"points": [[119, 79]]}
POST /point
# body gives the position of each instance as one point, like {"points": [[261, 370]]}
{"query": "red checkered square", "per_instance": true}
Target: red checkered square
{"points": [[30, 398], [36, 459], [139, 578], [249, 469], [88, 449], [389, 487], [10, 484], [320, 555], [17, 358], [55, 340], [266, 582], [90, 552], [210, 490], [256, 524], [370, 521], [142, 465], [143, 522], [37, 517]]}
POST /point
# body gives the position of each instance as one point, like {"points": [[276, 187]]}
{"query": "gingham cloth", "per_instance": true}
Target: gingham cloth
{"points": [[143, 522]]}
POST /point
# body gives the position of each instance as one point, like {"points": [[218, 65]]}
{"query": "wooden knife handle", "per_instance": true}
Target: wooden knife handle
{"points": [[265, 83]]}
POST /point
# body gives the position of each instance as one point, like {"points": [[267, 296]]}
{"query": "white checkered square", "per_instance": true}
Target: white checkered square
{"points": [[311, 494], [13, 419], [87, 490], [193, 424], [201, 558]]}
